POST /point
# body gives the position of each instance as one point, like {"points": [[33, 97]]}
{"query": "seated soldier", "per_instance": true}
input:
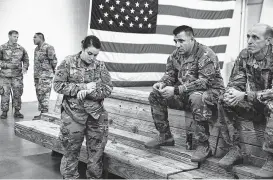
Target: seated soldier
{"points": [[192, 79], [251, 74]]}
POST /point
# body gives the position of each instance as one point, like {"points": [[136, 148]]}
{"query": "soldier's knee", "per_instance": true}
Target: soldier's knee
{"points": [[195, 99]]}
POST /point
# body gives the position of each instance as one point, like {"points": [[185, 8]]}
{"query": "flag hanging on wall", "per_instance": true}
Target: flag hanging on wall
{"points": [[137, 35]]}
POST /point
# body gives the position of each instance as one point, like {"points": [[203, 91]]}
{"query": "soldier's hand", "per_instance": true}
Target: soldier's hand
{"points": [[235, 96], [158, 86], [82, 94], [91, 85], [167, 92]]}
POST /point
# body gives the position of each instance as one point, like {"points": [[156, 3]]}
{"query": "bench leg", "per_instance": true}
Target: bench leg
{"points": [[105, 167]]}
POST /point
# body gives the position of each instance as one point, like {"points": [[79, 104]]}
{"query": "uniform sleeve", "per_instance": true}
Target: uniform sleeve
{"points": [[206, 73], [171, 75], [238, 77], [52, 57], [61, 84], [25, 59], [104, 87]]}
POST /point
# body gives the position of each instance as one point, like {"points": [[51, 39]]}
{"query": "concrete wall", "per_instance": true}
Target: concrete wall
{"points": [[64, 23]]}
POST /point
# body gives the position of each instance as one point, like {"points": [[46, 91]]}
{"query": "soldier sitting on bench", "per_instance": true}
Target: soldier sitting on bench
{"points": [[192, 79], [244, 96]]}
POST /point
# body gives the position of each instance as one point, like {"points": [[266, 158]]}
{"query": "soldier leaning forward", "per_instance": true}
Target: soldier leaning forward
{"points": [[84, 82], [45, 62], [12, 56], [193, 80], [249, 96]]}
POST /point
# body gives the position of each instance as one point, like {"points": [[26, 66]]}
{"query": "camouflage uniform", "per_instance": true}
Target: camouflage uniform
{"points": [[11, 59], [45, 62], [79, 118], [200, 84], [254, 77]]}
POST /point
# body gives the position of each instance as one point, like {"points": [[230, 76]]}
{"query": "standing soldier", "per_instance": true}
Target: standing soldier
{"points": [[85, 82], [247, 96], [45, 62], [12, 55], [192, 79]]}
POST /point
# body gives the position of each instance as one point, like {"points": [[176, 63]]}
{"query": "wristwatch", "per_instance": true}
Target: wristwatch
{"points": [[176, 90], [245, 97]]}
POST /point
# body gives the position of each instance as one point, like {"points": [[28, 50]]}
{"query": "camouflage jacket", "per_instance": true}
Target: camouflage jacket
{"points": [[71, 76], [45, 61], [199, 71], [251, 75], [11, 59]]}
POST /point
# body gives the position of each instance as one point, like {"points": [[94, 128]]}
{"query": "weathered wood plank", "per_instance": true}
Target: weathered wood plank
{"points": [[118, 150], [245, 171]]}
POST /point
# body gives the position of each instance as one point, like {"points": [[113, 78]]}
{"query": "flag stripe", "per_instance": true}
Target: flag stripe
{"points": [[148, 48], [196, 23], [200, 4], [133, 83], [199, 33], [142, 76], [135, 68], [132, 38], [194, 13], [147, 67], [115, 57]]}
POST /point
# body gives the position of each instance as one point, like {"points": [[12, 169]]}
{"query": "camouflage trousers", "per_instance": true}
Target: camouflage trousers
{"points": [[14, 84], [43, 89], [229, 121], [72, 136], [201, 104]]}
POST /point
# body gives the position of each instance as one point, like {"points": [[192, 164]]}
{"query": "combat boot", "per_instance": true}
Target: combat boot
{"points": [[4, 115], [37, 117], [17, 114], [164, 139], [233, 157], [266, 172], [202, 152]]}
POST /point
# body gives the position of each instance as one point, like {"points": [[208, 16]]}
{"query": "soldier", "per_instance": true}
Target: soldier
{"points": [[45, 62], [250, 80], [85, 82], [12, 55], [192, 79]]}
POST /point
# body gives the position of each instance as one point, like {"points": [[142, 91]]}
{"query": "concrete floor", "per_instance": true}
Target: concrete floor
{"points": [[21, 159]]}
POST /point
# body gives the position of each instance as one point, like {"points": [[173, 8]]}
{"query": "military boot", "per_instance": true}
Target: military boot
{"points": [[234, 156], [266, 172], [17, 114], [202, 152], [164, 139], [4, 115]]}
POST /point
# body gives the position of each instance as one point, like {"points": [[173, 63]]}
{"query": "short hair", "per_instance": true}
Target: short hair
{"points": [[91, 40], [13, 32], [41, 35], [268, 32], [184, 28]]}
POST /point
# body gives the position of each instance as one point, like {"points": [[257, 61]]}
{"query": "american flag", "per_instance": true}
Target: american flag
{"points": [[137, 35]]}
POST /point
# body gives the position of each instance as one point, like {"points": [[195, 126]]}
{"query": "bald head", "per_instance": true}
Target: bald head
{"points": [[268, 31], [258, 37]]}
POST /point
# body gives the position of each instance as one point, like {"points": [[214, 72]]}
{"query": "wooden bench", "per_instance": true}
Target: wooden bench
{"points": [[131, 125]]}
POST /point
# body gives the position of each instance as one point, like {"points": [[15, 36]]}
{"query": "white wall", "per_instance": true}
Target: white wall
{"points": [[63, 22]]}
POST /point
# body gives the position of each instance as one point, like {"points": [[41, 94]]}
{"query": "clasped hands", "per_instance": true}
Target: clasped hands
{"points": [[83, 93], [232, 96], [166, 91]]}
